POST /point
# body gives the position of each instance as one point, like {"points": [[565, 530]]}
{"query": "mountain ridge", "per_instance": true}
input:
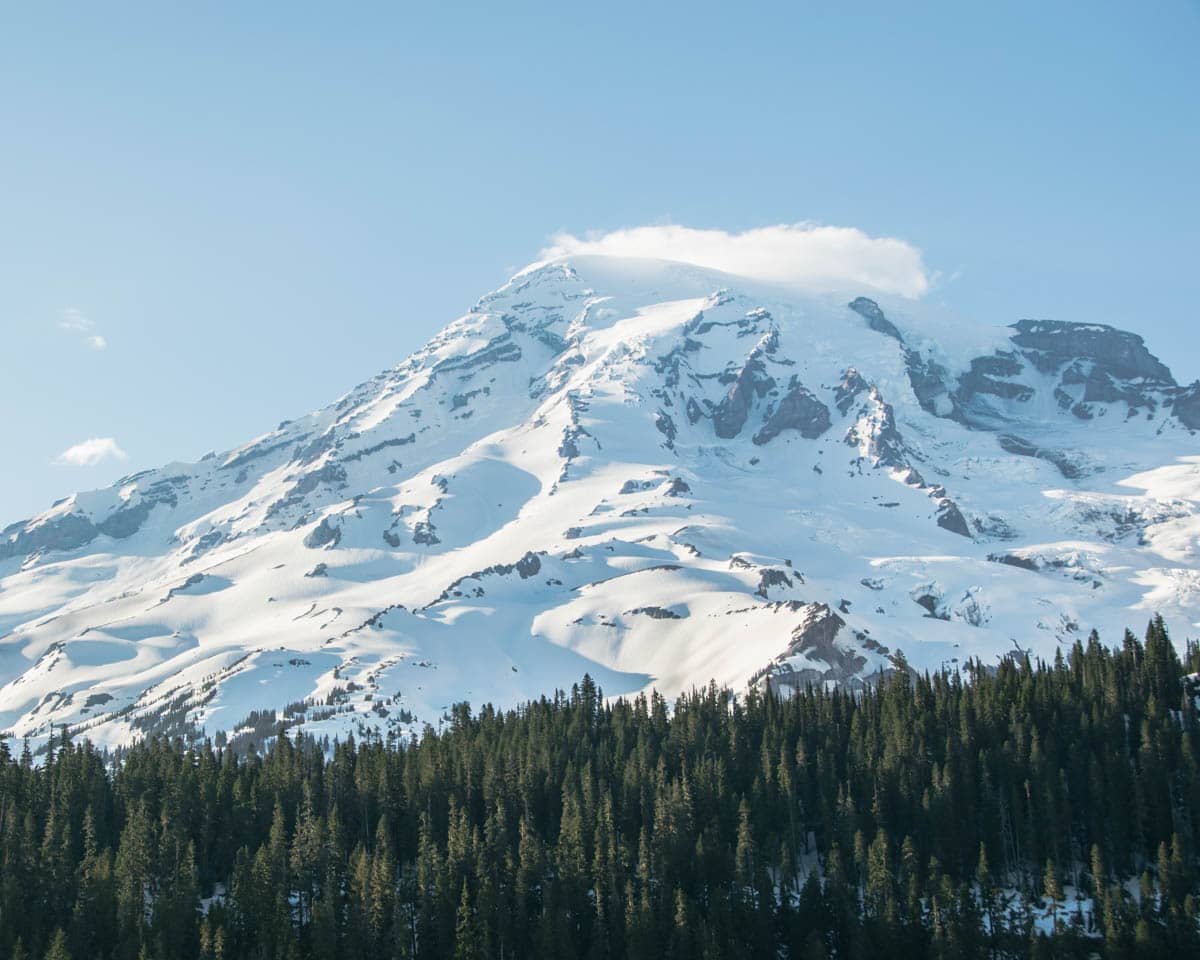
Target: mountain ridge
{"points": [[650, 471]]}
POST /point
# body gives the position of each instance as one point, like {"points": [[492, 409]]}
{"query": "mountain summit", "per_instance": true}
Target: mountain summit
{"points": [[652, 472]]}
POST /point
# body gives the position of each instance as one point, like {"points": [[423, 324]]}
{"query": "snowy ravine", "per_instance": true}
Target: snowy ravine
{"points": [[654, 473]]}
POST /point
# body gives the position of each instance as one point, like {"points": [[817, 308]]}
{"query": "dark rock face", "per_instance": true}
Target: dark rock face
{"points": [[375, 448], [929, 380], [1100, 386], [538, 329], [815, 639], [655, 613], [876, 434], [869, 310], [666, 426], [949, 517], [1119, 353], [499, 349], [848, 390], [798, 410], [669, 363], [259, 450], [678, 487], [323, 535], [62, 533], [1014, 560], [1062, 565], [985, 378], [933, 605], [330, 473], [876, 430], [568, 449], [1024, 448], [730, 414], [425, 533], [771, 578], [1095, 364], [1186, 406], [528, 566], [128, 520], [205, 543], [574, 431], [316, 448], [74, 530]]}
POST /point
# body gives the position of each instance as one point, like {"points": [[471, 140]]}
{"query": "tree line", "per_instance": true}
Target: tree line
{"points": [[1028, 809]]}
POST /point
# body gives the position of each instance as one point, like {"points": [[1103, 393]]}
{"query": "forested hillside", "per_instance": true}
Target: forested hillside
{"points": [[1031, 809]]}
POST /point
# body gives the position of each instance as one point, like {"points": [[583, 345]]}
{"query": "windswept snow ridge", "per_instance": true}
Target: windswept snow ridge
{"points": [[652, 472]]}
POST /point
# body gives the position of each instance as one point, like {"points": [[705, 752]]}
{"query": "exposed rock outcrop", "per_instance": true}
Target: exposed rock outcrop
{"points": [[870, 311], [1067, 466], [930, 382], [875, 433], [1185, 404], [729, 416], [1052, 343], [65, 532], [847, 391], [769, 578], [528, 566], [678, 487], [989, 377], [799, 410], [814, 656], [69, 531], [949, 517], [499, 349], [323, 535], [655, 613]]}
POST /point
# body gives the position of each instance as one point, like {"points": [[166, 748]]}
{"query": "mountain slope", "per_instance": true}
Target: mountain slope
{"points": [[656, 473]]}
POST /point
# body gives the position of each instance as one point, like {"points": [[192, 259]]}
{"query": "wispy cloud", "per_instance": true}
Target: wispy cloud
{"points": [[74, 321], [91, 452], [809, 256]]}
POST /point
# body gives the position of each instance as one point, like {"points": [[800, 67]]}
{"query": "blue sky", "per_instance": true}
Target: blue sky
{"points": [[256, 207]]}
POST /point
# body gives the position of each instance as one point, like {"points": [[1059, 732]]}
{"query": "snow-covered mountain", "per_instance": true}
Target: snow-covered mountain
{"points": [[655, 473]]}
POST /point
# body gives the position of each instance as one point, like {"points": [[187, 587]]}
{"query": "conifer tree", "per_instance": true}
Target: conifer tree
{"points": [[58, 946]]}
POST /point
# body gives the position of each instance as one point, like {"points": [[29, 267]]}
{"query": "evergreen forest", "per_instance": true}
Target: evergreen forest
{"points": [[1019, 809]]}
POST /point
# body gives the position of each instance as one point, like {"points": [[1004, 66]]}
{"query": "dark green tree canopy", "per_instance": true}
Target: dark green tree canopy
{"points": [[1023, 810]]}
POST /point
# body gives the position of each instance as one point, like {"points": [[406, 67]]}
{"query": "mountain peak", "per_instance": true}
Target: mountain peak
{"points": [[651, 471]]}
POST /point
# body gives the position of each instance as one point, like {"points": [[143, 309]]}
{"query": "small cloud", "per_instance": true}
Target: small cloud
{"points": [[91, 452], [75, 321], [820, 259]]}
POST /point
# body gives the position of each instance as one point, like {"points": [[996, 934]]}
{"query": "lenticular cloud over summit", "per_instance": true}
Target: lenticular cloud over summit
{"points": [[816, 258], [91, 452]]}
